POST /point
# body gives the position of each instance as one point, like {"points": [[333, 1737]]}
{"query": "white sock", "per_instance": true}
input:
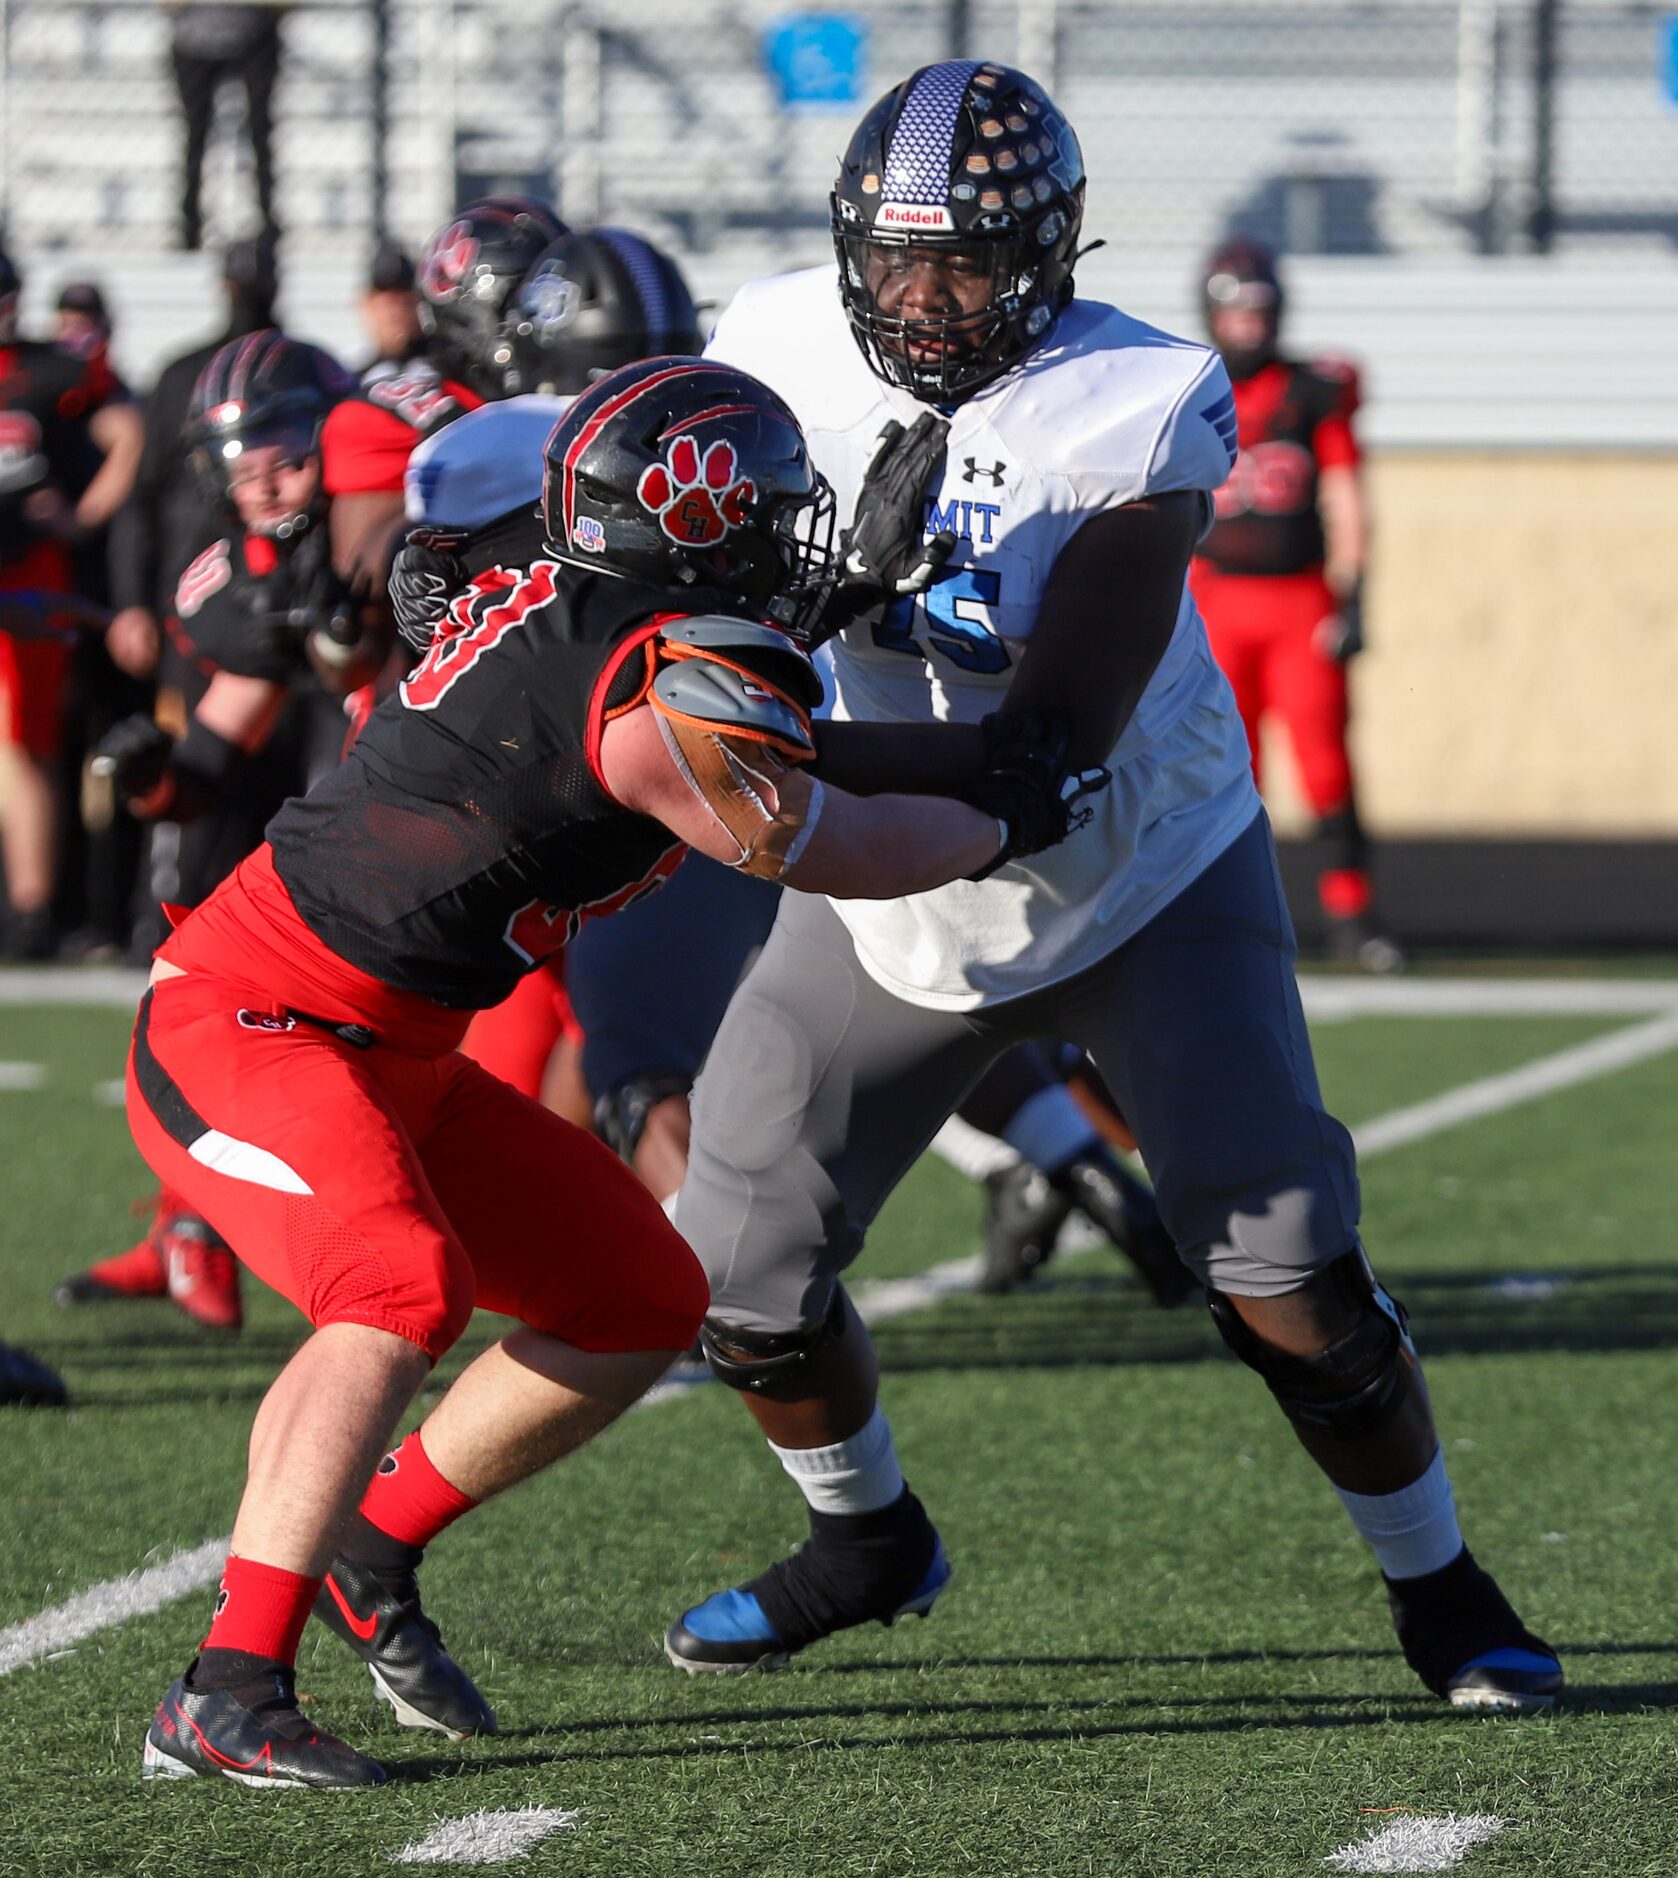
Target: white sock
{"points": [[968, 1150], [856, 1476], [1411, 1532], [1049, 1129]]}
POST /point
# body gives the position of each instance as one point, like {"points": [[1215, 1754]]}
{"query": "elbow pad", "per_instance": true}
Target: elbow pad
{"points": [[739, 733]]}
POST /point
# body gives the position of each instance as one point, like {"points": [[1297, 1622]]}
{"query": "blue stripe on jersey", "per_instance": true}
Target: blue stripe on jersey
{"points": [[647, 280], [1220, 414], [918, 162]]}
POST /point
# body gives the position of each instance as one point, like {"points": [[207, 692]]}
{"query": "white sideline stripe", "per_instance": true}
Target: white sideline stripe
{"points": [[486, 1838], [1327, 998], [121, 987], [112, 1094], [243, 1160], [113, 1602], [879, 1300], [1544, 1076], [1418, 1844], [22, 1075]]}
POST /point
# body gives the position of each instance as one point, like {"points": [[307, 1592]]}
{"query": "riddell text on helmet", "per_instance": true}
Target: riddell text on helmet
{"points": [[914, 215]]}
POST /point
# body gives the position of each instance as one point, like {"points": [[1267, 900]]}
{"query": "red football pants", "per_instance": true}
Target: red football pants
{"points": [[33, 672], [1263, 631], [399, 1189], [515, 1038]]}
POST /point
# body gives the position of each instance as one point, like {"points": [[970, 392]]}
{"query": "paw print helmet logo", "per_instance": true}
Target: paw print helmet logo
{"points": [[698, 497], [690, 475]]}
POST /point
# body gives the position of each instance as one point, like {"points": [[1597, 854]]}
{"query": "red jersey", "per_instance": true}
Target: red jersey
{"points": [[367, 440], [1294, 420]]}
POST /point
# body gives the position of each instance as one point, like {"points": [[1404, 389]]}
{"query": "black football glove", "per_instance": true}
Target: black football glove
{"points": [[1340, 636], [881, 556], [1028, 786], [134, 756], [424, 577]]}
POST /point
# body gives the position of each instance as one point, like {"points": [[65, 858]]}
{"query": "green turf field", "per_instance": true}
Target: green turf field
{"points": [[1164, 1651]]}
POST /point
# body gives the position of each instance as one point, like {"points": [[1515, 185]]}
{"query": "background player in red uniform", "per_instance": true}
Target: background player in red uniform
{"points": [[294, 1069], [1279, 579], [53, 406]]}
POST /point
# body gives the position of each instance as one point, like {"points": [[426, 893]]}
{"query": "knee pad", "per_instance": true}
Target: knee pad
{"points": [[620, 1117], [769, 1363], [1354, 1387]]}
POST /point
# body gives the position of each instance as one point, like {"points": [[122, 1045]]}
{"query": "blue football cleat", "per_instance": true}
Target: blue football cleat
{"points": [[1461, 1635], [1509, 1682], [730, 1632]]}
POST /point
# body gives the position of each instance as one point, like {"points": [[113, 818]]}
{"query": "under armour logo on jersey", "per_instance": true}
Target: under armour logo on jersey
{"points": [[697, 498], [388, 1465], [974, 471]]}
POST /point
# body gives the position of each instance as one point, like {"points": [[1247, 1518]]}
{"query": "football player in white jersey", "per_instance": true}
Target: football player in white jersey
{"points": [[1082, 450]]}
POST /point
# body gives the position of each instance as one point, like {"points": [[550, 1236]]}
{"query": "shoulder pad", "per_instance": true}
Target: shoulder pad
{"points": [[1337, 383], [720, 698], [763, 650]]}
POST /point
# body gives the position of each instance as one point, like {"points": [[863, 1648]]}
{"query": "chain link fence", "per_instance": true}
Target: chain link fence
{"points": [[1419, 128]]}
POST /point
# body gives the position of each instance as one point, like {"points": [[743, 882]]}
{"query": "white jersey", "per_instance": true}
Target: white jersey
{"points": [[1107, 411], [482, 465]]}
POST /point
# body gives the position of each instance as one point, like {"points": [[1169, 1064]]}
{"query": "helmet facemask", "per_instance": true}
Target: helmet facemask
{"points": [[990, 290]]}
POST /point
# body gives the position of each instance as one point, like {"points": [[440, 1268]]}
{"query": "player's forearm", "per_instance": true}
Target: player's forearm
{"points": [[1345, 529], [886, 846], [898, 759]]}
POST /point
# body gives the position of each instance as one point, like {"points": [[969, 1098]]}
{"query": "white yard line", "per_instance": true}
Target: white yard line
{"points": [[112, 985], [1492, 1094], [22, 1076], [486, 1838], [1420, 1843], [878, 1300], [113, 1602]]}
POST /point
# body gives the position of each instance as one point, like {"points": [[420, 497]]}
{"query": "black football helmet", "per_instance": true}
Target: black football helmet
{"points": [[1242, 273], [974, 159], [466, 277], [259, 390], [595, 300], [687, 473]]}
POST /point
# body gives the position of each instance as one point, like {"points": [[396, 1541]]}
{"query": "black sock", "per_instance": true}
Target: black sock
{"points": [[239, 1670], [856, 1566], [364, 1544]]}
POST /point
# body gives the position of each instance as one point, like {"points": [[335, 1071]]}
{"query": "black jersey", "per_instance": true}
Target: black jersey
{"points": [[46, 397], [245, 605], [467, 836]]}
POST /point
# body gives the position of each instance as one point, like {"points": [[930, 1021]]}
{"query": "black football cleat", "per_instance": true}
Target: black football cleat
{"points": [[1115, 1201], [1023, 1218], [378, 1615], [26, 1382], [263, 1743], [1460, 1634]]}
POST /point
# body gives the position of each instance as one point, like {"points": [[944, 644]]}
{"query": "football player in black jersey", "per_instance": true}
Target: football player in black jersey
{"points": [[259, 622], [582, 722]]}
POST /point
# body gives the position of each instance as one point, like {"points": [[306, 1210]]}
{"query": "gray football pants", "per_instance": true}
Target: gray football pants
{"points": [[822, 1089]]}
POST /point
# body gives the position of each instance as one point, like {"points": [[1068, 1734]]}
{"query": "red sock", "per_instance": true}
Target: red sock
{"points": [[1345, 892], [261, 1610], [408, 1500]]}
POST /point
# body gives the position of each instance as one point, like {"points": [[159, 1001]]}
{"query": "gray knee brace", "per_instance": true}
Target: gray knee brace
{"points": [[769, 1363], [1354, 1387]]}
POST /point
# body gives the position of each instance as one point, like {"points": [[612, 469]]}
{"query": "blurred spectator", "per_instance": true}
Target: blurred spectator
{"points": [[213, 45], [1279, 579], [100, 851], [390, 312], [59, 415]]}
